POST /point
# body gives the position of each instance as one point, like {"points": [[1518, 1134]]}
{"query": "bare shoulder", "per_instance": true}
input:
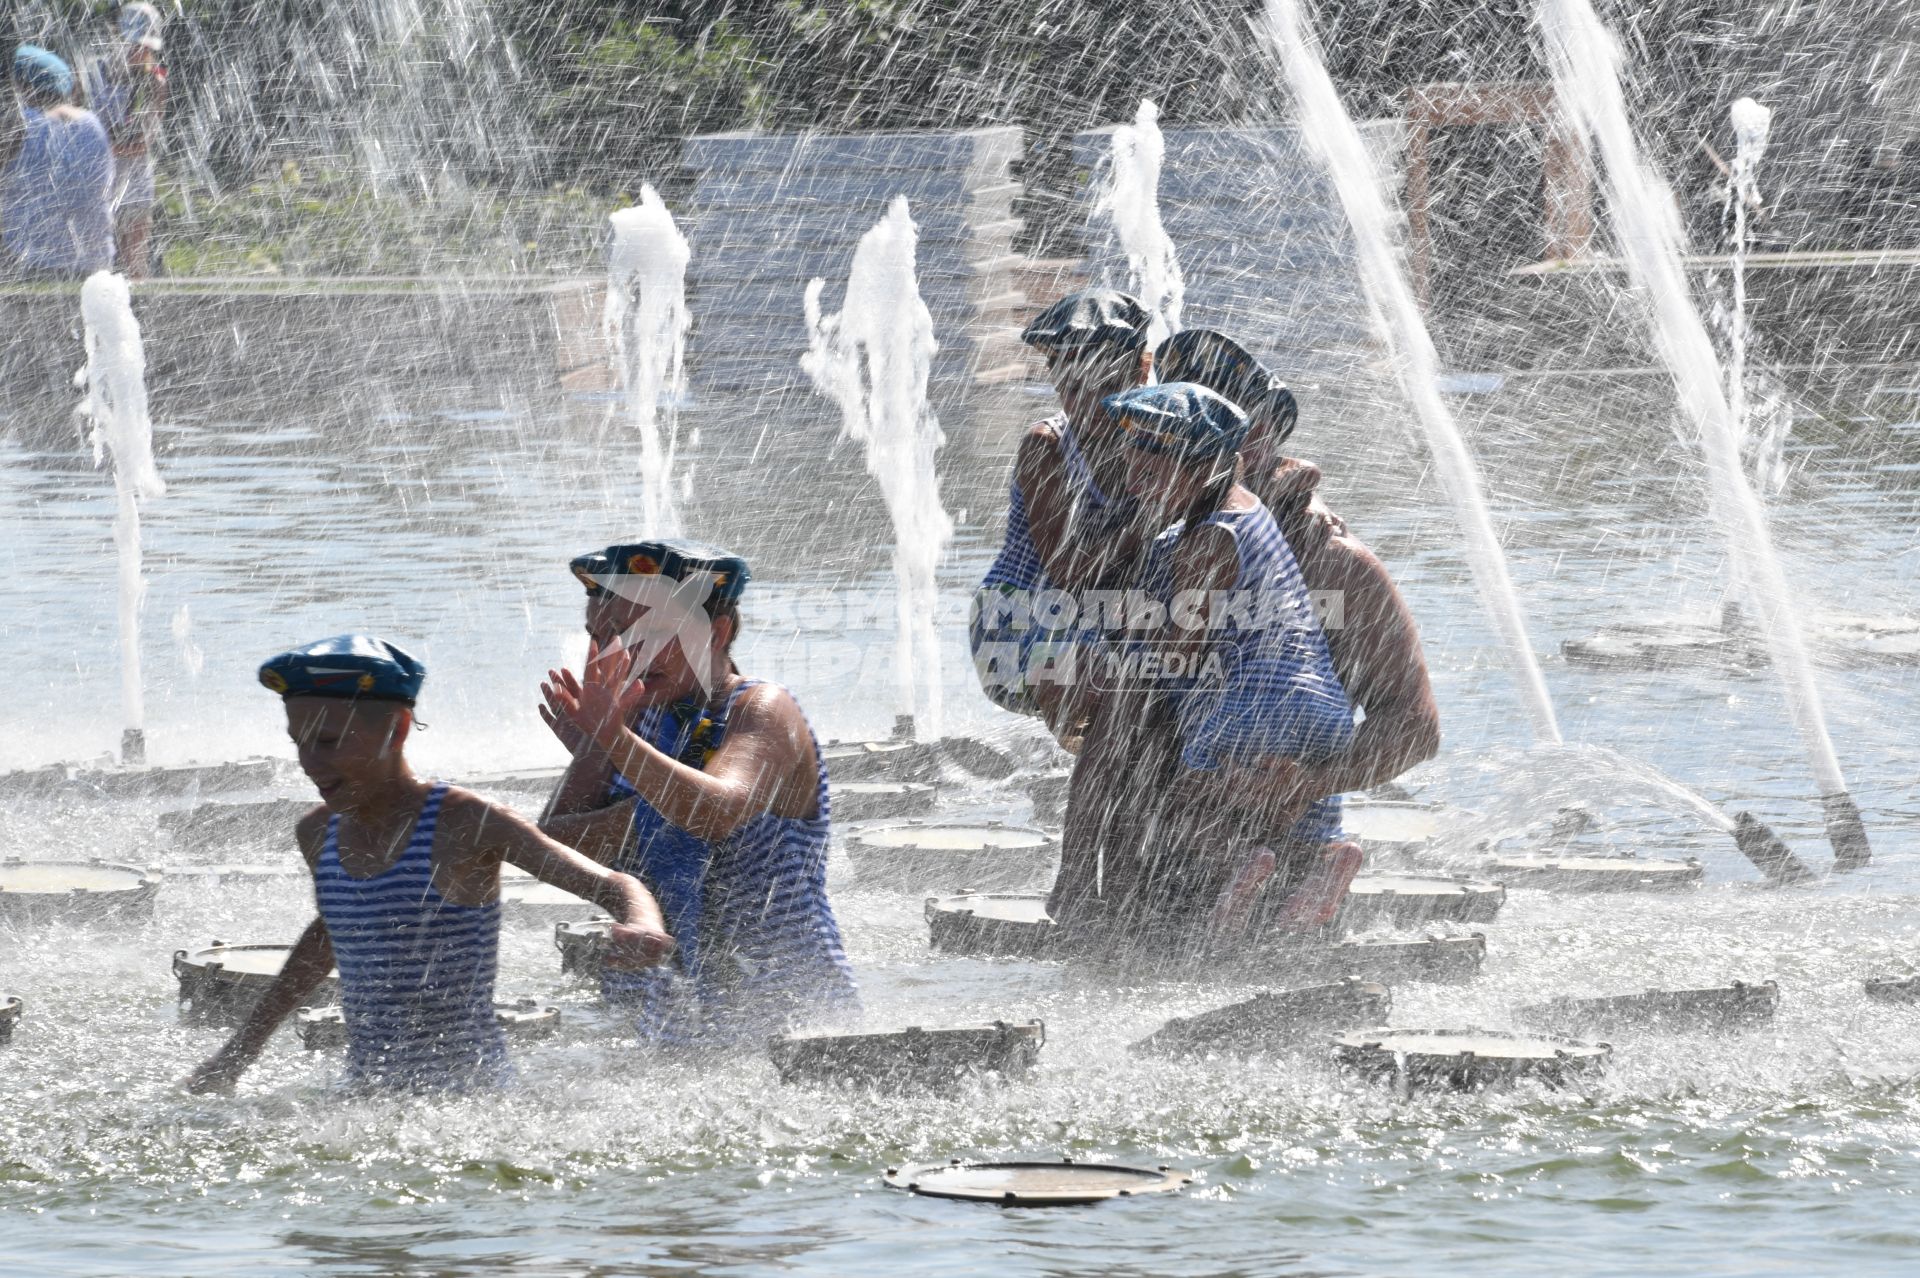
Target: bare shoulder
{"points": [[1355, 564], [1040, 446], [768, 708], [464, 813], [310, 831]]}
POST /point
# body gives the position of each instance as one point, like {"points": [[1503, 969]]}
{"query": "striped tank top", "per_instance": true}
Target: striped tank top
{"points": [[1273, 690], [416, 970], [1019, 566], [759, 949]]}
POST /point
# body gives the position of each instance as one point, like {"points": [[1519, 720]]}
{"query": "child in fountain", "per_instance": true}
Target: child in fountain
{"points": [[407, 873], [708, 786], [1070, 525], [1168, 796], [1369, 629]]}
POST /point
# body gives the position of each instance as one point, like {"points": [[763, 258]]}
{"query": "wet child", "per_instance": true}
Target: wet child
{"points": [[708, 786], [1369, 628], [407, 876], [1070, 523], [1234, 676]]}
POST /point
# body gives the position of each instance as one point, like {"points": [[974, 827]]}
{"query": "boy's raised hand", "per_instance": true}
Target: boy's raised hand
{"points": [[599, 704]]}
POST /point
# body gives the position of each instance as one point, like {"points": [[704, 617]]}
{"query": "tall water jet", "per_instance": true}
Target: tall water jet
{"points": [[1132, 201], [872, 359], [646, 317], [115, 380], [1326, 127], [1763, 426], [1586, 64]]}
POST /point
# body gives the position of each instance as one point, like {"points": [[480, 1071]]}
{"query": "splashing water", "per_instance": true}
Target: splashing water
{"points": [[872, 359], [1331, 133], [1763, 424], [115, 380], [1586, 64], [1132, 201], [646, 316]]}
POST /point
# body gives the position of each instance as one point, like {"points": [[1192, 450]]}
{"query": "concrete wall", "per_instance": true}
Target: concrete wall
{"points": [[349, 346]]}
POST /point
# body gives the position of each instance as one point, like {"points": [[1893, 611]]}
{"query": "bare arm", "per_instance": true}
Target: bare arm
{"points": [[583, 787], [766, 741], [308, 964], [1070, 564], [487, 835], [1381, 664], [600, 834], [1377, 654]]}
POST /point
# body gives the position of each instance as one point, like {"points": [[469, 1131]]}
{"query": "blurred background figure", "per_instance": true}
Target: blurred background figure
{"points": [[126, 87], [56, 174]]}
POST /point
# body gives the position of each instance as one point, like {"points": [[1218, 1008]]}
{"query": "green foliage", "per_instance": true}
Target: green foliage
{"points": [[623, 96], [301, 223]]}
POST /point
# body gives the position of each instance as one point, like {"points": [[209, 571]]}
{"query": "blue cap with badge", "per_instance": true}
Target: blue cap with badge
{"points": [[346, 666], [1180, 419], [675, 557]]}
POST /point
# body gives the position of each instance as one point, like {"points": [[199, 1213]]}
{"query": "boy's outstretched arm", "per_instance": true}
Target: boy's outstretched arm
{"points": [[639, 937], [307, 966]]}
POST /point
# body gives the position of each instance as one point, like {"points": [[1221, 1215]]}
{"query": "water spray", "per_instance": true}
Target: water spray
{"points": [[872, 358], [1586, 71], [1330, 132], [646, 316], [115, 381], [1132, 201]]}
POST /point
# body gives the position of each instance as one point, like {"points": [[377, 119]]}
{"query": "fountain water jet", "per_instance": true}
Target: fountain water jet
{"points": [[1763, 426], [646, 316], [1329, 131], [872, 359], [115, 380], [1586, 64], [1132, 202]]}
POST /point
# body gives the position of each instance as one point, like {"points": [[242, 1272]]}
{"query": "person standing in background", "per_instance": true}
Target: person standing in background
{"points": [[56, 174], [127, 88]]}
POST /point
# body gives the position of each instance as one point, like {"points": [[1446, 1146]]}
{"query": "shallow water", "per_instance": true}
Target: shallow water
{"points": [[1794, 1147]]}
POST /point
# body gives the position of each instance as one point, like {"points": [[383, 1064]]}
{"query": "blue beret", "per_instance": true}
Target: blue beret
{"points": [[42, 69], [1222, 365], [1097, 317], [673, 557], [346, 666], [1183, 419]]}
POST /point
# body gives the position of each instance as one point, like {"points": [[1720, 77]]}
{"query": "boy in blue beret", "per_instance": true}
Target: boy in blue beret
{"points": [[1369, 628], [1165, 798], [407, 875], [1071, 525], [709, 787]]}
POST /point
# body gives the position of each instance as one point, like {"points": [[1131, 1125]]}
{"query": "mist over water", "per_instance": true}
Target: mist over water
{"points": [[1586, 66], [1329, 130]]}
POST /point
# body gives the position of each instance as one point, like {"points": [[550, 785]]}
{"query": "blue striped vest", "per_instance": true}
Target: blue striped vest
{"points": [[416, 971]]}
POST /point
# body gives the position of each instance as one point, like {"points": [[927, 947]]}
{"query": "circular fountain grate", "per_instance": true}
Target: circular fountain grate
{"points": [[1033, 1184]]}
